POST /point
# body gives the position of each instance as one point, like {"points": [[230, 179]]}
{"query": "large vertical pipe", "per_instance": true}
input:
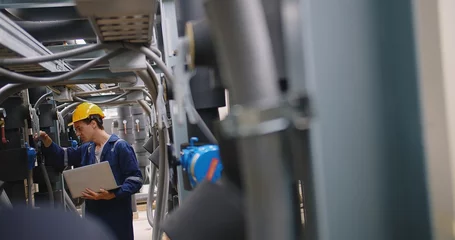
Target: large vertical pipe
{"points": [[126, 128], [272, 9], [140, 136], [247, 64], [366, 144], [244, 51]]}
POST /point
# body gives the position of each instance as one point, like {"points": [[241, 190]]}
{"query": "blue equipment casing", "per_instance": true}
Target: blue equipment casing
{"points": [[201, 162], [31, 153]]}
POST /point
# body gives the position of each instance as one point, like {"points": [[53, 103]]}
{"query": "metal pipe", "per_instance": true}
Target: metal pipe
{"points": [[106, 101], [152, 73], [156, 51], [163, 185], [148, 95], [151, 194], [41, 99], [62, 105], [146, 107], [20, 78], [11, 89], [68, 108], [149, 53], [119, 102], [149, 83], [248, 67], [245, 51]]}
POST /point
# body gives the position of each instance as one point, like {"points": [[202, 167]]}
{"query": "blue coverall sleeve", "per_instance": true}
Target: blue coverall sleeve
{"points": [[130, 170], [55, 156]]}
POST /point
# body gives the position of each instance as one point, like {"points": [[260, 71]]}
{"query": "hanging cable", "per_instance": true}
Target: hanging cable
{"points": [[149, 53], [106, 101], [20, 78], [12, 88], [149, 83], [68, 108], [163, 185], [153, 74], [146, 107], [60, 123], [41, 99], [62, 105], [148, 95], [156, 51], [151, 194], [193, 115], [56, 56]]}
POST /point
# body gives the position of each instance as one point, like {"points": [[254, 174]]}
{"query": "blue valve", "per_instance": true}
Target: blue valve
{"points": [[193, 140], [201, 162], [31, 153], [74, 144]]}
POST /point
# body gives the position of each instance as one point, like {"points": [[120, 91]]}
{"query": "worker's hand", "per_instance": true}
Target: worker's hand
{"points": [[102, 195], [44, 137]]}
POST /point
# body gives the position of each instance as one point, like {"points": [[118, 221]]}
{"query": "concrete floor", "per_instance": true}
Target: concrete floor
{"points": [[142, 229]]}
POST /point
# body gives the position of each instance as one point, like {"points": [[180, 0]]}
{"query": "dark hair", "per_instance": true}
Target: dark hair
{"points": [[97, 118]]}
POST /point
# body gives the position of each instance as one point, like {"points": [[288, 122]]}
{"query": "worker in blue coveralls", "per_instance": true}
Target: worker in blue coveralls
{"points": [[113, 208]]}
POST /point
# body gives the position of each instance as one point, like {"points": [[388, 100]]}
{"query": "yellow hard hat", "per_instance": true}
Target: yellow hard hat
{"points": [[84, 110]]}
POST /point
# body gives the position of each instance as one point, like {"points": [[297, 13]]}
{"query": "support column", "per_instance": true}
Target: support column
{"points": [[367, 159]]}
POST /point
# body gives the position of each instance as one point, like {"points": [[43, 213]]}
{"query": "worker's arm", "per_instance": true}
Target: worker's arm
{"points": [[58, 156], [130, 169]]}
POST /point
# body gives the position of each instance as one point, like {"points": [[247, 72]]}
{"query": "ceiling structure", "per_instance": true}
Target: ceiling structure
{"points": [[42, 27]]}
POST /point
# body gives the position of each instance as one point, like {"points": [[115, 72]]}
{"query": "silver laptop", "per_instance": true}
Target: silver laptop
{"points": [[94, 177]]}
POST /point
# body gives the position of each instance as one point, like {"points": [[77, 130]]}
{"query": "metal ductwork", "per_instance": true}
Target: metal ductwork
{"points": [[54, 31], [119, 20]]}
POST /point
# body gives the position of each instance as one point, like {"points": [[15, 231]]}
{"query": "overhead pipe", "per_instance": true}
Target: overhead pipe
{"points": [[249, 71], [42, 99], [146, 107], [10, 89]]}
